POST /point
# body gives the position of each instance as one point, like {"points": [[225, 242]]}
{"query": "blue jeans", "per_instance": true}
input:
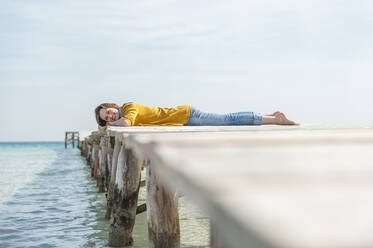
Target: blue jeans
{"points": [[198, 118]]}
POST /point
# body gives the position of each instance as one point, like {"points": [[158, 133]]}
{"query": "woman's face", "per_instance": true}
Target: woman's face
{"points": [[109, 114]]}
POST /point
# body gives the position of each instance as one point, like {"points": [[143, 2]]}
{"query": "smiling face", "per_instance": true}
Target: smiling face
{"points": [[109, 114]]}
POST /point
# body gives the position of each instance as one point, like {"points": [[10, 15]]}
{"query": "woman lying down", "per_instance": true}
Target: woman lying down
{"points": [[132, 114]]}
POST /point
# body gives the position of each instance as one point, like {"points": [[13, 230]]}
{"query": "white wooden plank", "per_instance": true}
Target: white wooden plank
{"points": [[112, 130], [258, 138], [315, 194]]}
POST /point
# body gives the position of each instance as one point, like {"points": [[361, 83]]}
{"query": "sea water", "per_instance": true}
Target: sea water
{"points": [[48, 199]]}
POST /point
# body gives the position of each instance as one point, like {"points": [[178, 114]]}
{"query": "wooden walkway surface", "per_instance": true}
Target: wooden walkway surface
{"points": [[267, 186]]}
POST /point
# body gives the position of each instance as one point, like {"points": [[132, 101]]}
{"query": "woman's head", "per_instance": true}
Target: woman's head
{"points": [[106, 112]]}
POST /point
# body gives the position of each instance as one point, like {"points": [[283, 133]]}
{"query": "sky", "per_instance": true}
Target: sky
{"points": [[60, 59]]}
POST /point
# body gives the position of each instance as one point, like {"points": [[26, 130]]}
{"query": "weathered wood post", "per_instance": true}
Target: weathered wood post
{"points": [[73, 138], [77, 137], [162, 212], [65, 140], [92, 158], [97, 167], [127, 180], [84, 150], [95, 160], [109, 157], [102, 165], [113, 171], [110, 149], [88, 154]]}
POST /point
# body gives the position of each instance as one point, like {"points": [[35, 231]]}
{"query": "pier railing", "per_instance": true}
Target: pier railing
{"points": [[266, 186]]}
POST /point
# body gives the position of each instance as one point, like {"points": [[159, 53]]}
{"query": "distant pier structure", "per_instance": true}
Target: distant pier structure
{"points": [[71, 137]]}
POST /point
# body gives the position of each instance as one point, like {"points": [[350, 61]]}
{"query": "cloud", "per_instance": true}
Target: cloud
{"points": [[315, 53]]}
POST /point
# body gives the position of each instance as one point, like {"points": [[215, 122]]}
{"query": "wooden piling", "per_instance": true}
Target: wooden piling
{"points": [[89, 153], [162, 212], [102, 165], [95, 162], [113, 171], [84, 148], [110, 149], [125, 199]]}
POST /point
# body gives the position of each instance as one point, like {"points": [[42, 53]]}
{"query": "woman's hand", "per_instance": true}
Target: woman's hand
{"points": [[122, 122]]}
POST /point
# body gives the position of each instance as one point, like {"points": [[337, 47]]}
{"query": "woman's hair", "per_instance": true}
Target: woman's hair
{"points": [[100, 121]]}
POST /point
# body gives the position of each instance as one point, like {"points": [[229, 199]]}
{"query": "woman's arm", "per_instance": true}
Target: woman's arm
{"points": [[122, 122]]}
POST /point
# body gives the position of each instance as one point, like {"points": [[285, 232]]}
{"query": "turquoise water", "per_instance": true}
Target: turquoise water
{"points": [[48, 199]]}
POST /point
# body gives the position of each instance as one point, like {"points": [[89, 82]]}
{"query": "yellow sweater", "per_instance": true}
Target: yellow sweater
{"points": [[140, 115]]}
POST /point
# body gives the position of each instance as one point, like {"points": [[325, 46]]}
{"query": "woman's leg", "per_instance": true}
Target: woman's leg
{"points": [[198, 118]]}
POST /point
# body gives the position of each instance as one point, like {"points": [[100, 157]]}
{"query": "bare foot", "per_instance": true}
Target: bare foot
{"points": [[281, 119]]}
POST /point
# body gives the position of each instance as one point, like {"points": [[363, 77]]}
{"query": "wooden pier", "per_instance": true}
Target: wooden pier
{"points": [[75, 137], [261, 186], [71, 137]]}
